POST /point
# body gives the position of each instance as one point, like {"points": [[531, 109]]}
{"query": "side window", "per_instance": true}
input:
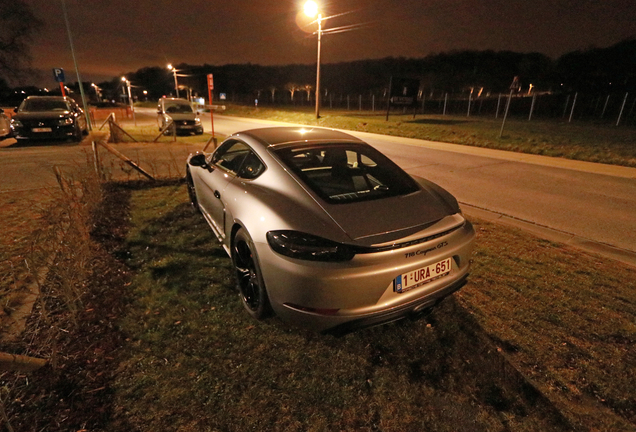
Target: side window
{"points": [[230, 155], [252, 167]]}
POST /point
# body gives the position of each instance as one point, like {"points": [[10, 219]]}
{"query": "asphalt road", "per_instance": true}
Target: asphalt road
{"points": [[589, 201]]}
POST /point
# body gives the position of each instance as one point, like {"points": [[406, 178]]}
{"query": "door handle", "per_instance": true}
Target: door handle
{"points": [[217, 194]]}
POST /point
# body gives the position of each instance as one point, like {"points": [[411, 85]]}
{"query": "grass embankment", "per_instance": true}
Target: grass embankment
{"points": [[581, 141], [192, 359], [542, 338]]}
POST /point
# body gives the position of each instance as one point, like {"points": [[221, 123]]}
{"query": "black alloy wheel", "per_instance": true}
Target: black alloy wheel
{"points": [[192, 193], [249, 279]]}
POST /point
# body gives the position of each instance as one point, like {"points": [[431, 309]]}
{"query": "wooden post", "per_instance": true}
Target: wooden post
{"points": [[622, 108], [20, 363], [125, 159], [96, 160]]}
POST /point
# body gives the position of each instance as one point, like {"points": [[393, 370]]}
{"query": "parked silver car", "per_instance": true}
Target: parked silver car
{"points": [[180, 112], [327, 232]]}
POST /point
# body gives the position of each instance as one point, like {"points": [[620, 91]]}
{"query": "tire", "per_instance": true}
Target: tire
{"points": [[249, 279], [78, 136], [192, 193]]}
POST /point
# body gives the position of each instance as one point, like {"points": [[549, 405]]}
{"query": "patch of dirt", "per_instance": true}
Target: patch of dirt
{"points": [[72, 392]]}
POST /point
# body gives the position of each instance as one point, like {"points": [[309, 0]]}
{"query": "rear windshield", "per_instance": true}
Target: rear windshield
{"points": [[344, 173], [38, 105]]}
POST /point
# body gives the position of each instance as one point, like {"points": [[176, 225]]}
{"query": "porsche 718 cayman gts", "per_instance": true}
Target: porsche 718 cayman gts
{"points": [[327, 232]]}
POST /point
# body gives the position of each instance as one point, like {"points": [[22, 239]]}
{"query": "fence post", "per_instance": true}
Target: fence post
{"points": [[534, 99], [373, 103], [605, 106], [470, 98], [498, 104], [445, 102], [348, 106], [565, 108], [573, 105], [505, 114], [622, 108], [360, 102]]}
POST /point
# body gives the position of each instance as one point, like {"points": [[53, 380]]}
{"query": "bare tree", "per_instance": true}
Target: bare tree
{"points": [[291, 88], [18, 25], [308, 88]]}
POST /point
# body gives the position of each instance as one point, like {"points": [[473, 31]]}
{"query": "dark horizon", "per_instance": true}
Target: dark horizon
{"points": [[120, 36]]}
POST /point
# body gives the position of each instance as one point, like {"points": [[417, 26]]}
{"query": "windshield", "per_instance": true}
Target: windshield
{"points": [[347, 173], [39, 105], [178, 109]]}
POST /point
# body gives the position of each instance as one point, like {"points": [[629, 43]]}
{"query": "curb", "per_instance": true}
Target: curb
{"points": [[589, 246]]}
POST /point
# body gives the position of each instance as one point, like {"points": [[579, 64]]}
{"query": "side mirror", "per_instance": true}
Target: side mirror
{"points": [[159, 112], [1, 111], [198, 160], [15, 110]]}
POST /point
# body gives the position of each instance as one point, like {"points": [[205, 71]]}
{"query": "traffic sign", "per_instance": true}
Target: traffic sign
{"points": [[210, 82], [58, 74]]}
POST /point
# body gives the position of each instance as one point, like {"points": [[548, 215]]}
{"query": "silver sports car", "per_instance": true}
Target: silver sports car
{"points": [[327, 232]]}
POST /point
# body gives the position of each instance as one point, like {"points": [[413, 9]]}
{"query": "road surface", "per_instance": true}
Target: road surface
{"points": [[589, 201]]}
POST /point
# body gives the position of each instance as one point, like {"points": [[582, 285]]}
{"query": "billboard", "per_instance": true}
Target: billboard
{"points": [[404, 91]]}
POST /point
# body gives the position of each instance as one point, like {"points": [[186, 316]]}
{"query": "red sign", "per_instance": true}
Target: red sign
{"points": [[210, 82]]}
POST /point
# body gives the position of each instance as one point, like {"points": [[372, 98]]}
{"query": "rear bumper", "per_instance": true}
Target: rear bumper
{"points": [[412, 310], [342, 297]]}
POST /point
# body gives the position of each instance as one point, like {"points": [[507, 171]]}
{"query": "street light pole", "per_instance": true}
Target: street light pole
{"points": [[311, 9], [79, 80], [318, 68], [174, 73], [130, 100]]}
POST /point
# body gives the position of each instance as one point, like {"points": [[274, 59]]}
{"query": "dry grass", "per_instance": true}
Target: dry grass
{"points": [[566, 319], [580, 141]]}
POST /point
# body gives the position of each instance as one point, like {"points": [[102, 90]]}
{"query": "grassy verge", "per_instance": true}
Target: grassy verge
{"points": [[541, 339], [587, 142], [148, 134]]}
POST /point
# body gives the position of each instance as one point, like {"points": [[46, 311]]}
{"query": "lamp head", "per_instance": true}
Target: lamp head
{"points": [[311, 8]]}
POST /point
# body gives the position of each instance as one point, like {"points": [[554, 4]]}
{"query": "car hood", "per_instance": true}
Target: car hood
{"points": [[182, 116], [41, 115], [379, 221]]}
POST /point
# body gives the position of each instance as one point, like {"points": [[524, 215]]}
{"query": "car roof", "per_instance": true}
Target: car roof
{"points": [[66, 98], [278, 136]]}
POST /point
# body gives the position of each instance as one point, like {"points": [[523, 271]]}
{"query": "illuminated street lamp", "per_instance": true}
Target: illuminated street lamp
{"points": [[311, 9], [174, 73]]}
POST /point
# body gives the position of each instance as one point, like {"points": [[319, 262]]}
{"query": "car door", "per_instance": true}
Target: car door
{"points": [[211, 182]]}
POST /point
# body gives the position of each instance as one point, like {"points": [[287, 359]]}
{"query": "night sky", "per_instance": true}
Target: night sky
{"points": [[117, 36]]}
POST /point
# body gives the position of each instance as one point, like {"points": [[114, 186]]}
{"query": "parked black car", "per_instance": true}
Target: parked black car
{"points": [[49, 117]]}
